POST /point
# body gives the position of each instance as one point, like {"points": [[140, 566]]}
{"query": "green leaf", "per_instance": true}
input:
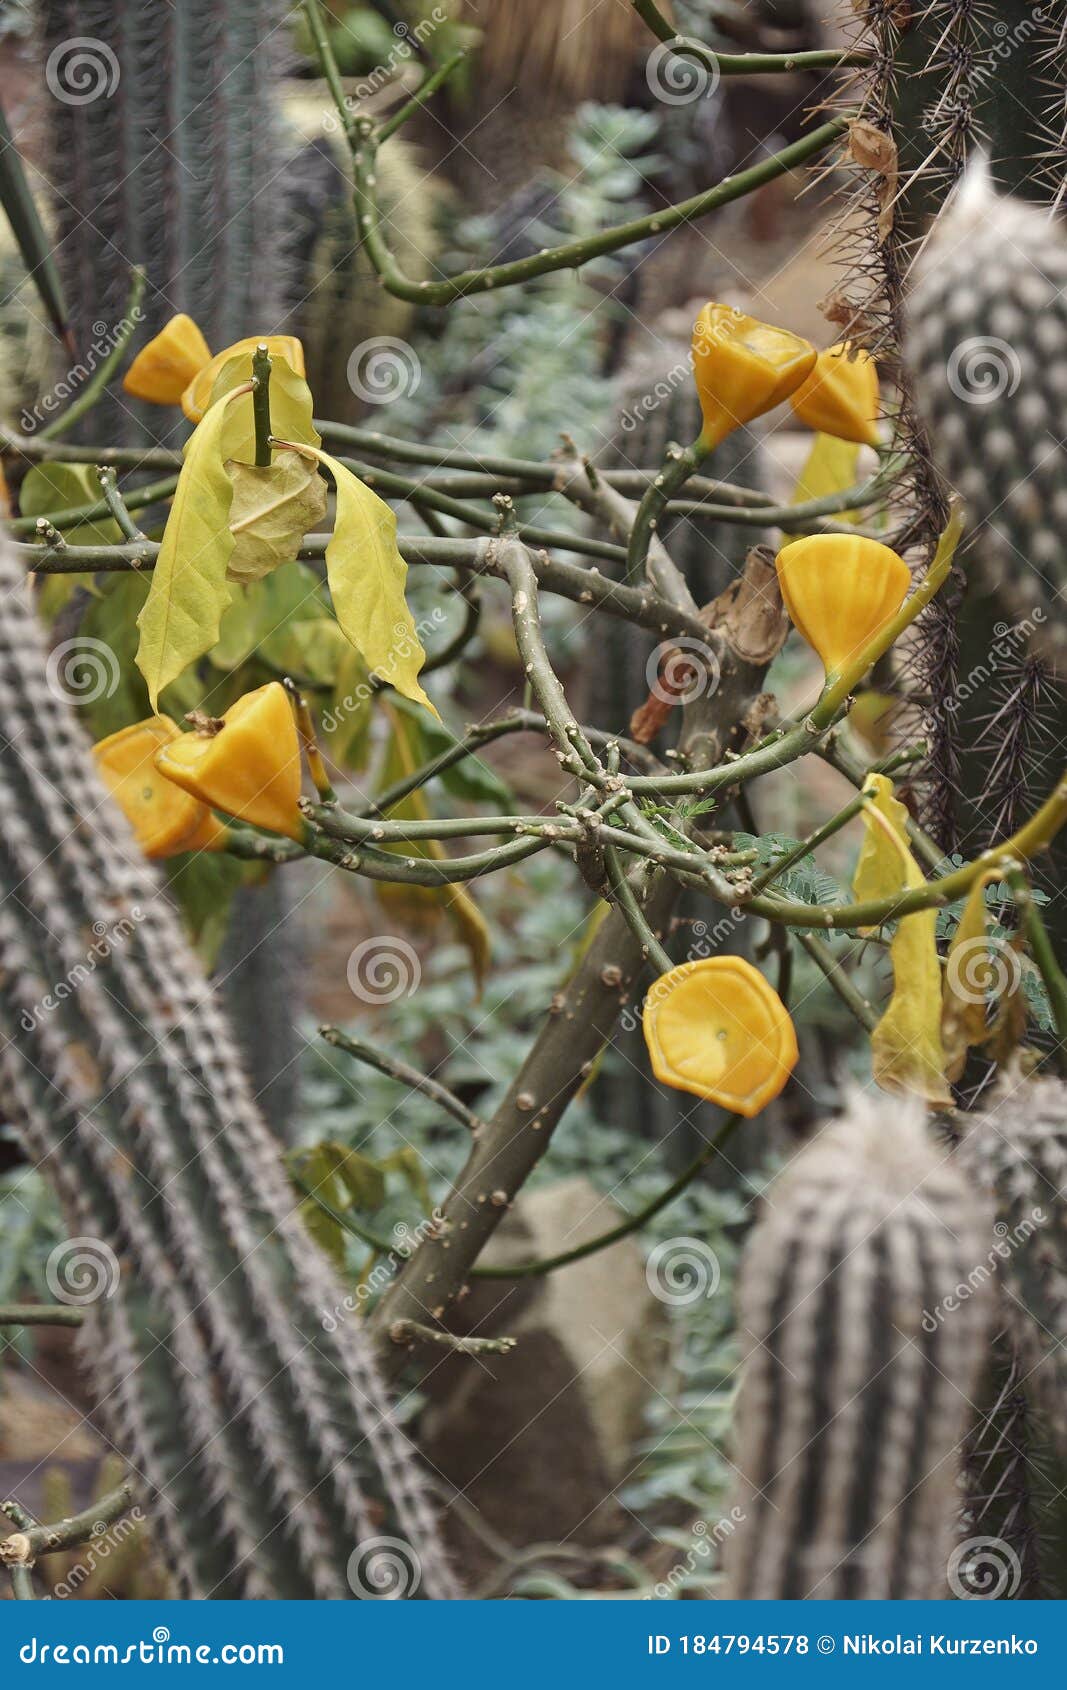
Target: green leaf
{"points": [[311, 649], [367, 576], [256, 613], [273, 507], [189, 591], [49, 488], [346, 722]]}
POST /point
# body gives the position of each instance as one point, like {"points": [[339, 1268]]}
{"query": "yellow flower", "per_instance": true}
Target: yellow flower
{"points": [[743, 367], [840, 396], [197, 396], [165, 819], [247, 764], [717, 1029], [841, 590], [163, 369]]}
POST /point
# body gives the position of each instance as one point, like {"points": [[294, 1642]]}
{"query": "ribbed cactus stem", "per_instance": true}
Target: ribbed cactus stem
{"points": [[166, 136], [860, 1371], [1017, 1151], [253, 1416]]}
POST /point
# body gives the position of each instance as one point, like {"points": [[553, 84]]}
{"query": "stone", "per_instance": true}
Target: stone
{"points": [[536, 1442]]}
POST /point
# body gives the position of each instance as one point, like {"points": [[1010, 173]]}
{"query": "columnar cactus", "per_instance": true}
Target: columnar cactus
{"points": [[219, 1366], [1017, 1151], [861, 1366]]}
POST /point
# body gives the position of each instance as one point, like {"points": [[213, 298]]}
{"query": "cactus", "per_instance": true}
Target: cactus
{"points": [[169, 165], [1017, 1151], [946, 80], [249, 1409], [856, 1386]]}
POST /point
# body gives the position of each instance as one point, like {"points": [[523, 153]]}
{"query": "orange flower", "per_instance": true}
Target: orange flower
{"points": [[841, 590], [165, 819], [743, 368], [840, 396], [716, 1028], [197, 395], [248, 765], [163, 369]]}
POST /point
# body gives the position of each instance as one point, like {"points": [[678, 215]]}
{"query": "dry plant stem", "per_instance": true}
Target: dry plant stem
{"points": [[25, 1546], [584, 1010], [404, 1073], [410, 1332]]}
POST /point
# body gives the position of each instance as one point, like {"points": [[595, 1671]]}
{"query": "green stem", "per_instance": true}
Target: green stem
{"points": [[261, 404], [136, 499], [804, 847], [40, 1314], [423, 92], [117, 505], [623, 896], [633, 1223], [824, 959], [1037, 937], [739, 64], [573, 253], [680, 464], [100, 377]]}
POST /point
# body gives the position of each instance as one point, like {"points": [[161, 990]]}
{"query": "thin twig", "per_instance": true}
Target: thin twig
{"points": [[403, 1073]]}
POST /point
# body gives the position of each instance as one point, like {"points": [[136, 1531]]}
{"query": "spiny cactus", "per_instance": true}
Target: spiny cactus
{"points": [[165, 129], [1017, 1151], [859, 1376], [945, 80], [987, 344], [253, 1416]]}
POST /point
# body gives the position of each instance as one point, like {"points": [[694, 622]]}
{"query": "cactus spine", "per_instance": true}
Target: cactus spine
{"points": [[856, 1386], [1017, 1151], [252, 1414]]}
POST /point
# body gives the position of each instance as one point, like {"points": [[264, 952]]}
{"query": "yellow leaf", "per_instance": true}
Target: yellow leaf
{"points": [[978, 969], [830, 467], [367, 576], [906, 1050], [189, 591], [291, 407], [419, 903], [199, 395], [273, 507]]}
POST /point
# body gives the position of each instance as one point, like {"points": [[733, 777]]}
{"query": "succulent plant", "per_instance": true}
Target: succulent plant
{"points": [[1016, 1150], [859, 1374], [250, 1410]]}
